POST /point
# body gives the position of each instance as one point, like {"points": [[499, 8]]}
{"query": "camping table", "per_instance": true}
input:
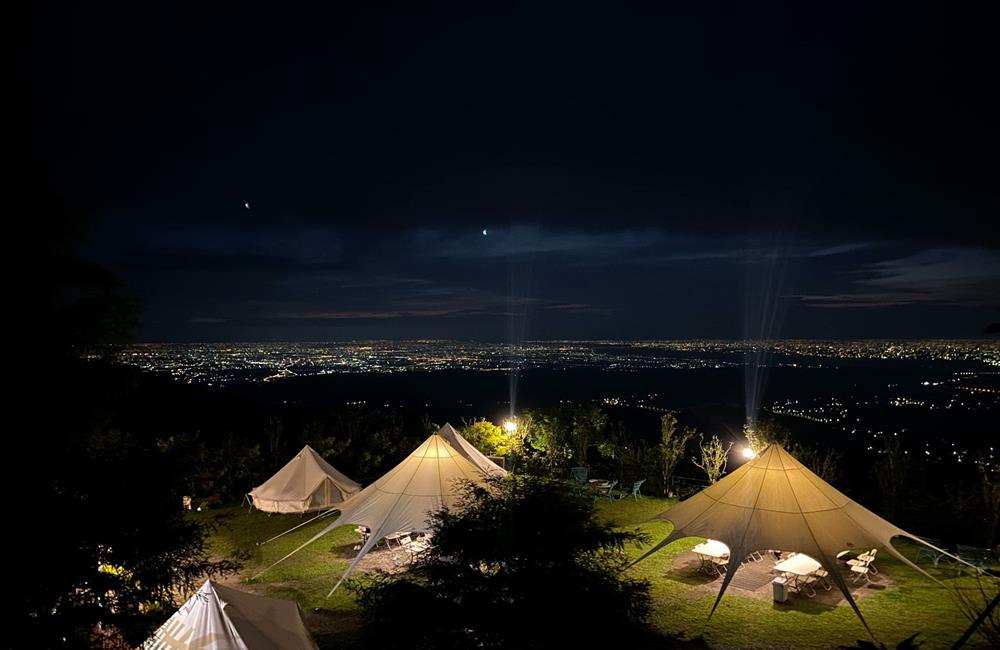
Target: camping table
{"points": [[599, 486], [396, 537], [798, 566], [709, 551]]}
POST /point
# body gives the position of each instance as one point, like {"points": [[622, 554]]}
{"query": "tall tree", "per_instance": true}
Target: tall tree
{"points": [[824, 463], [589, 424], [989, 485], [565, 433], [673, 444], [892, 471]]}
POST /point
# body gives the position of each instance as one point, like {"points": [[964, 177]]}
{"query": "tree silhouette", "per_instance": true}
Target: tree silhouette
{"points": [[522, 563]]}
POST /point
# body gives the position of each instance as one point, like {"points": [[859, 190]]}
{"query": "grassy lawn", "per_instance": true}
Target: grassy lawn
{"points": [[306, 577], [915, 604]]}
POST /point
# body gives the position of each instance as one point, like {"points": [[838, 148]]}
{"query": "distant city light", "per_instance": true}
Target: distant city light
{"points": [[510, 426], [749, 453]]}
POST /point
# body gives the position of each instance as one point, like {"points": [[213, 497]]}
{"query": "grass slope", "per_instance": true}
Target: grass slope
{"points": [[916, 604]]}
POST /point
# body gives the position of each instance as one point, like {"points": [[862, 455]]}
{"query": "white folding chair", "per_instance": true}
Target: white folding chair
{"points": [[860, 574], [870, 560]]}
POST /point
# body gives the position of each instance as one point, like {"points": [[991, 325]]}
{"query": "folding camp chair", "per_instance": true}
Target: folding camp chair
{"points": [[635, 490], [805, 585], [823, 579], [860, 574], [718, 566], [865, 560], [929, 553]]}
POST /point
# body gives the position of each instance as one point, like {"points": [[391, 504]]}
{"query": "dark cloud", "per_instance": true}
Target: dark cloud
{"points": [[636, 172], [942, 276]]}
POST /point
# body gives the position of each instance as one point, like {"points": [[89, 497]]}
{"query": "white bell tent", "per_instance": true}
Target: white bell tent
{"points": [[404, 498], [306, 483], [217, 617]]}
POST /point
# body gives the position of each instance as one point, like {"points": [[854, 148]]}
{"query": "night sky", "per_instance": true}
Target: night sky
{"points": [[638, 175]]}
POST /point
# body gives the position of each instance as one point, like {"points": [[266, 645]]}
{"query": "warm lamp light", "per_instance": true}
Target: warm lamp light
{"points": [[749, 453], [510, 426]]}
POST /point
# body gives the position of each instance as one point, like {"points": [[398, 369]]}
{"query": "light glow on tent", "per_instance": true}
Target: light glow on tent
{"points": [[749, 453]]}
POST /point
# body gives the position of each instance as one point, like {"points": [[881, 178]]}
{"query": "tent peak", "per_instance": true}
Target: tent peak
{"points": [[466, 449]]}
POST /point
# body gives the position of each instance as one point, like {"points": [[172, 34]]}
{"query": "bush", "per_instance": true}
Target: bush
{"points": [[521, 563]]}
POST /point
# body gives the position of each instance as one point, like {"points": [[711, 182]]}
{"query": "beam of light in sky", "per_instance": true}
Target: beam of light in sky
{"points": [[764, 309]]}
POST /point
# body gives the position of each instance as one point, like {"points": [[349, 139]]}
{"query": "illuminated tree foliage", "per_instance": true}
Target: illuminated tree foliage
{"points": [[488, 437], [766, 432], [673, 444], [713, 457]]}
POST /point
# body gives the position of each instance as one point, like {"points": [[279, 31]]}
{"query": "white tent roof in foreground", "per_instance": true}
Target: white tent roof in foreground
{"points": [[472, 454], [775, 502], [306, 483], [404, 498], [217, 617]]}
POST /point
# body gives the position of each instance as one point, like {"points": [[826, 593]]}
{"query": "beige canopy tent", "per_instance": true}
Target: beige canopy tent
{"points": [[217, 617], [471, 454], [305, 484], [775, 502], [404, 498]]}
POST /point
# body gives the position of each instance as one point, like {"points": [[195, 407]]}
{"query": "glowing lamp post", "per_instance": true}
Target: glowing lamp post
{"points": [[509, 425]]}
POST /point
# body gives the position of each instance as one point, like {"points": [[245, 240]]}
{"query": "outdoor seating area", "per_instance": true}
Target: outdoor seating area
{"points": [[972, 557], [401, 547], [713, 556], [409, 546], [801, 572], [797, 573], [863, 566], [603, 488]]}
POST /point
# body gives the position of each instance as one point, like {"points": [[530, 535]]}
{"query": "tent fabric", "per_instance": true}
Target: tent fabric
{"points": [[775, 502], [305, 484], [217, 617], [471, 454], [404, 498]]}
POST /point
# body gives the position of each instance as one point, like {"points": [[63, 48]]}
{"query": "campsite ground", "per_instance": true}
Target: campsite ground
{"points": [[682, 597]]}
